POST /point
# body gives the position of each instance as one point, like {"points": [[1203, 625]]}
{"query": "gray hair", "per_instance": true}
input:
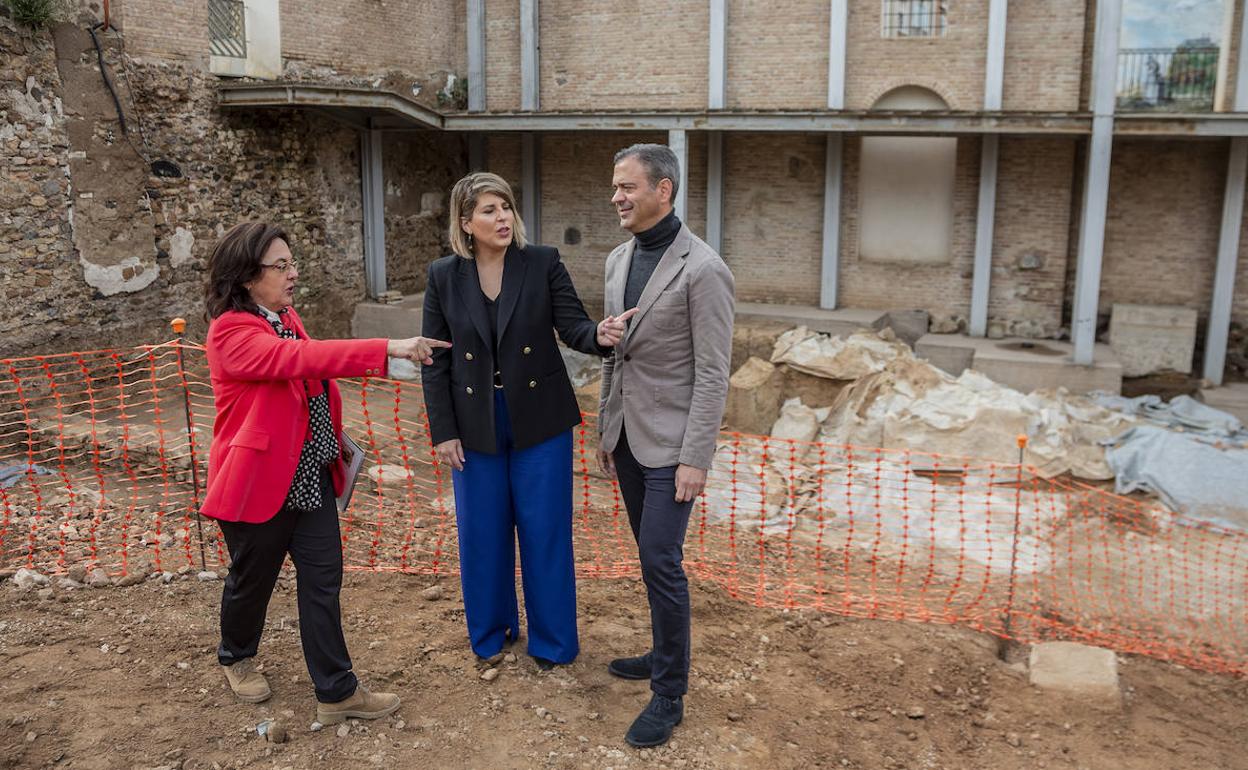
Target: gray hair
{"points": [[659, 161]]}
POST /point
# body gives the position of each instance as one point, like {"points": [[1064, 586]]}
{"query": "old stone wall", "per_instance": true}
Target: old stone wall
{"points": [[96, 249], [41, 289], [419, 168]]}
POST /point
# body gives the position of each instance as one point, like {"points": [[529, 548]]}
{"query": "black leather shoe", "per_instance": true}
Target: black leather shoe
{"points": [[632, 668], [543, 663], [654, 725]]}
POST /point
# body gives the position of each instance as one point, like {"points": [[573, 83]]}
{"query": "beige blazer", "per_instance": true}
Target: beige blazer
{"points": [[667, 381]]}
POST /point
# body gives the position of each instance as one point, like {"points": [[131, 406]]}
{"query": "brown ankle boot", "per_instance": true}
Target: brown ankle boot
{"points": [[247, 683], [361, 705]]}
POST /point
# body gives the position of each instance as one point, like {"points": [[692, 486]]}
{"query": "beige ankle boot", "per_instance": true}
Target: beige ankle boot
{"points": [[361, 705], [247, 683]]}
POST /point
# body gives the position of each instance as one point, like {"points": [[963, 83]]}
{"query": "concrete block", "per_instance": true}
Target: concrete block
{"points": [[1232, 398], [754, 337], [1027, 365], [839, 322], [908, 325], [395, 320], [1077, 669], [949, 352], [755, 394], [1153, 338]]}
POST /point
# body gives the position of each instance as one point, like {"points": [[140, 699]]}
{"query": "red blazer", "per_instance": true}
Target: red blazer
{"points": [[262, 408]]}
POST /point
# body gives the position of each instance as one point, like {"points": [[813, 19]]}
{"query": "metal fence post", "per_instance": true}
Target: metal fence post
{"points": [[179, 326]]}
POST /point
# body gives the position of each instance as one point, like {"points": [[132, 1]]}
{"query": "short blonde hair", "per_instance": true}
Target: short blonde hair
{"points": [[464, 197]]}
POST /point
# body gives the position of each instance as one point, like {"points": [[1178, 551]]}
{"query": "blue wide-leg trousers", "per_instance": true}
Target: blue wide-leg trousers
{"points": [[525, 495]]}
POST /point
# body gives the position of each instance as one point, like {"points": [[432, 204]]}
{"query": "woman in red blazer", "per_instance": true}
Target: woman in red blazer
{"points": [[276, 464]]}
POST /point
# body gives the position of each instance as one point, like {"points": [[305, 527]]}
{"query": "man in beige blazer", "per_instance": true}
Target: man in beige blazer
{"points": [[663, 393]]}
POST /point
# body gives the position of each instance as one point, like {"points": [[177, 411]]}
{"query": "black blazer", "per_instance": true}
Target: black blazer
{"points": [[537, 296]]}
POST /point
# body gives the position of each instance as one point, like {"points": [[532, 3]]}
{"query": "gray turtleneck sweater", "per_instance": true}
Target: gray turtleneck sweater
{"points": [[647, 252]]}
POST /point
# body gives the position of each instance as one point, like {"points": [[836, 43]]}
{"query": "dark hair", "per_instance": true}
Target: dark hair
{"points": [[234, 262], [659, 161]]}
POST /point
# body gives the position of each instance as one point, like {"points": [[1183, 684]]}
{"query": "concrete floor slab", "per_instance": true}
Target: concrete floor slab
{"points": [[1232, 398], [1023, 364], [841, 322]]}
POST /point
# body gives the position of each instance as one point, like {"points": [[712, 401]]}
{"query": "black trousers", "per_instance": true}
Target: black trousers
{"points": [[659, 524], [256, 552]]}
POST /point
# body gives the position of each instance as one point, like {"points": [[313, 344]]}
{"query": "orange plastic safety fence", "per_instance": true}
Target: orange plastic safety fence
{"points": [[103, 458]]}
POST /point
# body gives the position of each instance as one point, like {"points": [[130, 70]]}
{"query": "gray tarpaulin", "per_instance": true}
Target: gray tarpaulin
{"points": [[1183, 413], [1190, 475]]}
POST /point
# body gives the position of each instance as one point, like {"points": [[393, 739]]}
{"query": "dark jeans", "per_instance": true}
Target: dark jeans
{"points": [[659, 524], [257, 551]]}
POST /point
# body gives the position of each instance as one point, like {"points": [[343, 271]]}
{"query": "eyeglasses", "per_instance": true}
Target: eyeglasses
{"points": [[282, 265]]}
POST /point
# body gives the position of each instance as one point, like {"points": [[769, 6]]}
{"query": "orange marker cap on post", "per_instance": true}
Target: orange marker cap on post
{"points": [[1021, 440], [178, 325]]}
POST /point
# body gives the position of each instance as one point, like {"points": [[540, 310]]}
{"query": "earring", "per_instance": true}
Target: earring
{"points": [[471, 245]]}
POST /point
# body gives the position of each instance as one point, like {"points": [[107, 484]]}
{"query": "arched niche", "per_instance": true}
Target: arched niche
{"points": [[906, 188]]}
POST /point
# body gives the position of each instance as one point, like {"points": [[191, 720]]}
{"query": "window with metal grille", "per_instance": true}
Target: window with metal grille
{"points": [[227, 30], [914, 18]]}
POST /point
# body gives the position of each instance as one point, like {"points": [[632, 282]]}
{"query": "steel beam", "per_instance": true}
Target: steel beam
{"points": [[715, 191], [1096, 183], [1228, 263], [717, 67], [838, 34], [530, 75], [830, 258], [678, 140], [476, 55], [531, 179], [990, 149], [374, 212]]}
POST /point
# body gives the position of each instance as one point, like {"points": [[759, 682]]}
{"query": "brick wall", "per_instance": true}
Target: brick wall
{"points": [[773, 215], [597, 54], [952, 66], [1161, 233], [161, 29], [1030, 240], [1043, 55], [777, 60], [943, 289], [502, 54], [371, 36], [355, 37]]}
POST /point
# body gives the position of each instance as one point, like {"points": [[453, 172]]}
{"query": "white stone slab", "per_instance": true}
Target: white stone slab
{"points": [[1153, 338]]}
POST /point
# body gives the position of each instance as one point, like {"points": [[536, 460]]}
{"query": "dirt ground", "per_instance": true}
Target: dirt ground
{"points": [[127, 678]]}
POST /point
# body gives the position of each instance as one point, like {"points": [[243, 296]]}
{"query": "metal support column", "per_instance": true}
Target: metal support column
{"points": [[478, 160], [374, 212], [531, 185], [715, 190], [830, 254], [1096, 181], [476, 55], [1228, 240], [717, 67], [990, 153], [529, 48], [678, 140]]}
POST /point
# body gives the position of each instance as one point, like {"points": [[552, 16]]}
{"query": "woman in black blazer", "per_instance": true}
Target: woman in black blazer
{"points": [[501, 411]]}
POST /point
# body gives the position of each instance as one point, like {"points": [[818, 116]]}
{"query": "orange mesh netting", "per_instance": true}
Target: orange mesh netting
{"points": [[103, 458]]}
